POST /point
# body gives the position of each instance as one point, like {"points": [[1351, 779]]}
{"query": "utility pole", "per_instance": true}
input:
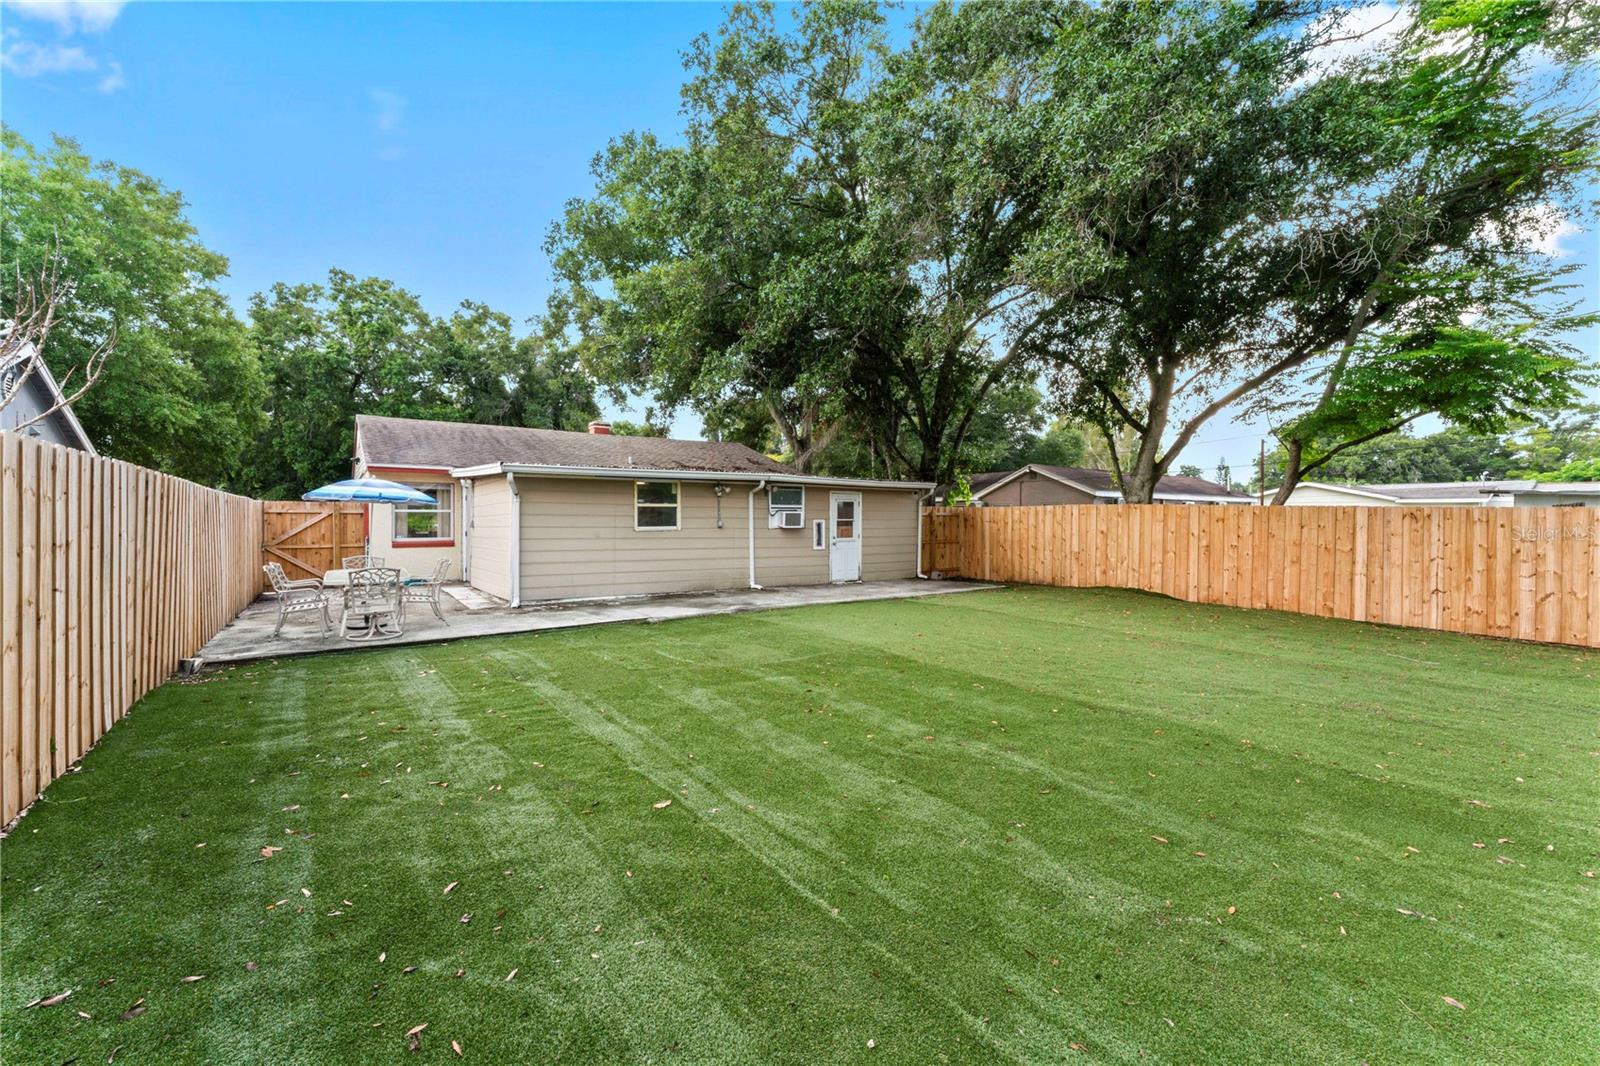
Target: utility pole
{"points": [[1261, 483]]}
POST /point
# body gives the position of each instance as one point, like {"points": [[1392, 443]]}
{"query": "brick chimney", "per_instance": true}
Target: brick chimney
{"points": [[600, 428]]}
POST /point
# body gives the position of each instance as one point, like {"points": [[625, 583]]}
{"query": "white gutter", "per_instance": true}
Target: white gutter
{"points": [[920, 501], [644, 474], [515, 551], [750, 500]]}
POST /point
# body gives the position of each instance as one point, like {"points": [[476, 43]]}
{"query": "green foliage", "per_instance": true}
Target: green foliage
{"points": [[1577, 470], [182, 391], [1453, 454], [1232, 216], [366, 346], [1190, 470], [825, 243]]}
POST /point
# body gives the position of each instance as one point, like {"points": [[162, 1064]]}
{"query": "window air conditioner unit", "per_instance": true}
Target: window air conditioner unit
{"points": [[791, 520]]}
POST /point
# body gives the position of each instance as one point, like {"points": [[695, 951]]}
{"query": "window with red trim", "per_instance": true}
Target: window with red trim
{"points": [[414, 522]]}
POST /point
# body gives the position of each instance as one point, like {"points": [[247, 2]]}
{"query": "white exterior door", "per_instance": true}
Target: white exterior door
{"points": [[844, 546]]}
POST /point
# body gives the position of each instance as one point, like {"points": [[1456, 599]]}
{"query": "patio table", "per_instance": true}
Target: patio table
{"points": [[338, 579]]}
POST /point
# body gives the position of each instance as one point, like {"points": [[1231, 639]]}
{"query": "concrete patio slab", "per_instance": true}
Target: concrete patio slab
{"points": [[249, 636]]}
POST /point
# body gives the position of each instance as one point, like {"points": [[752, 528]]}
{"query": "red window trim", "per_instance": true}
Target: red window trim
{"points": [[433, 542]]}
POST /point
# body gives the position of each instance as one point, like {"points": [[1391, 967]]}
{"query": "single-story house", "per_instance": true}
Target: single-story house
{"points": [[1449, 494], [1037, 483], [530, 515], [27, 391]]}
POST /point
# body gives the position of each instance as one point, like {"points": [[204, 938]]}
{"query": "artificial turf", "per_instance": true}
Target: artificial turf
{"points": [[1025, 825]]}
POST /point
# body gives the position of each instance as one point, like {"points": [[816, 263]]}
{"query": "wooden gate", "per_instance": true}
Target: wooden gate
{"points": [[309, 539]]}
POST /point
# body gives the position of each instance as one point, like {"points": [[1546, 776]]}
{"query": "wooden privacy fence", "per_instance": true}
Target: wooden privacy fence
{"points": [[109, 575], [1532, 573], [309, 539]]}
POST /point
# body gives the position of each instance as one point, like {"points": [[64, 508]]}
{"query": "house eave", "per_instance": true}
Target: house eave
{"points": [[643, 474]]}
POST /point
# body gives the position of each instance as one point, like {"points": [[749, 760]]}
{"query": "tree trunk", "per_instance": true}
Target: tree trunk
{"points": [[1291, 474]]}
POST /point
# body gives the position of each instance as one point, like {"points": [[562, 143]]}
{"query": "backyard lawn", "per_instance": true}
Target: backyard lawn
{"points": [[1027, 825]]}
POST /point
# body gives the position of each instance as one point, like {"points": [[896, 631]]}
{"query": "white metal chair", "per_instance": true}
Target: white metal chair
{"points": [[297, 597], [361, 562], [427, 591], [373, 596]]}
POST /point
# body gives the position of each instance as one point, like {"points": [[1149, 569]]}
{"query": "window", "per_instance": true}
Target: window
{"points": [[655, 505], [420, 522], [785, 506]]}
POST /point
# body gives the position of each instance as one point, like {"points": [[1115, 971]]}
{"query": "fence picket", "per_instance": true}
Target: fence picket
{"points": [[1532, 574]]}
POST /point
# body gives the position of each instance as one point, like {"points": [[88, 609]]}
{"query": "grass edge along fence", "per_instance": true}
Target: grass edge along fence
{"points": [[1528, 573], [109, 575]]}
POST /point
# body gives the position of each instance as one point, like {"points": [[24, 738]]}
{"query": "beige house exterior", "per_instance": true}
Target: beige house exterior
{"points": [[1040, 484], [530, 515], [1449, 494]]}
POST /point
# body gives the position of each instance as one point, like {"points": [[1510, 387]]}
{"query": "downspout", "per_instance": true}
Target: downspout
{"points": [[920, 501], [515, 550], [750, 500]]}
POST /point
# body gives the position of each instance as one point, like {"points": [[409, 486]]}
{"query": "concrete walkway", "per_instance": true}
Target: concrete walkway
{"points": [[249, 636]]}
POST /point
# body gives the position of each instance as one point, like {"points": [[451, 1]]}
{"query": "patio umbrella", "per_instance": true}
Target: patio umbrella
{"points": [[369, 490]]}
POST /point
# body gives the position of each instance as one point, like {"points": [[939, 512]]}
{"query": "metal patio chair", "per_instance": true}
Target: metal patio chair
{"points": [[361, 562], [420, 591], [297, 597], [373, 597]]}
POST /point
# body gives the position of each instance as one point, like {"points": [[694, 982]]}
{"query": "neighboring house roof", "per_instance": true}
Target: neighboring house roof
{"points": [[1454, 491], [1101, 483], [25, 394], [465, 447]]}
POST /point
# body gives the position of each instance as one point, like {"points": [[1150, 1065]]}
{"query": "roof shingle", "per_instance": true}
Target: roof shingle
{"points": [[385, 441]]}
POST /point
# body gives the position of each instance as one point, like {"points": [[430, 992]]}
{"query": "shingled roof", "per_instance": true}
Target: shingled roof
{"points": [[383, 441], [1102, 483]]}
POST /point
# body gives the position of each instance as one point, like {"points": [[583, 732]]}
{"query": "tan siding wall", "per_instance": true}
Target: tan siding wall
{"points": [[1034, 489], [491, 536], [578, 541], [889, 535]]}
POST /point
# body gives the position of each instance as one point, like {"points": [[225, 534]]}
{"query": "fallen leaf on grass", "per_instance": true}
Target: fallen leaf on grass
{"points": [[1233, 910], [134, 1011], [415, 1029], [510, 975], [50, 1001], [269, 851], [455, 1045], [192, 978], [1456, 1003], [86, 1014], [409, 969], [450, 888], [382, 955], [252, 967], [1159, 840], [662, 805], [465, 918]]}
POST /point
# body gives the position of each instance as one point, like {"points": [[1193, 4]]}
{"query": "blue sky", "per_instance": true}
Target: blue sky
{"points": [[430, 143]]}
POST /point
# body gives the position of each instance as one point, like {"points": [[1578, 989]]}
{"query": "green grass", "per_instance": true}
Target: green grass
{"points": [[929, 824]]}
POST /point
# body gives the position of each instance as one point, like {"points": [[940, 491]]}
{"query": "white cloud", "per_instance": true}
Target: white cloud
{"points": [[69, 16], [391, 110], [1546, 229], [28, 60], [113, 79]]}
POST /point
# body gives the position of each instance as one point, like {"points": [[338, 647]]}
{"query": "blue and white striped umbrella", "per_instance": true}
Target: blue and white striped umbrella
{"points": [[369, 490]]}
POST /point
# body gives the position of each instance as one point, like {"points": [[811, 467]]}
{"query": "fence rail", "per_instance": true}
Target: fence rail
{"points": [[109, 575], [1531, 573]]}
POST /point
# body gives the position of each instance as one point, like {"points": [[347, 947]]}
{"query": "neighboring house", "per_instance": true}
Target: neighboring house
{"points": [[1039, 484], [26, 395], [544, 514], [1449, 494]]}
